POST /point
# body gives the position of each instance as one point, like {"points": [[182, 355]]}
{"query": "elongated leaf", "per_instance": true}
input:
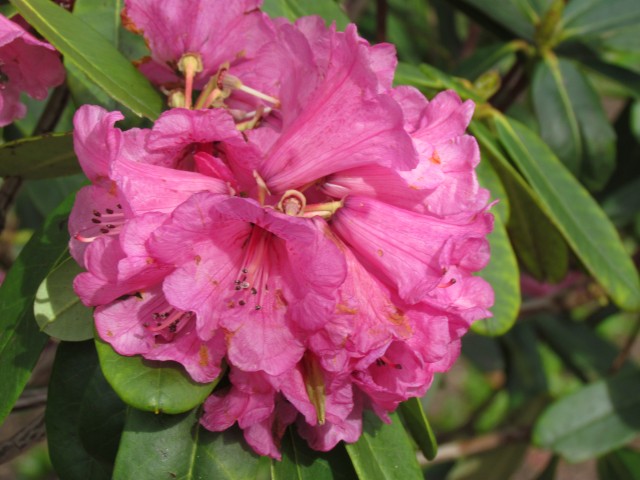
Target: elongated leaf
{"points": [[299, 462], [93, 55], [623, 205], [573, 122], [151, 386], [517, 16], [419, 428], [58, 309], [623, 463], [594, 420], [294, 9], [20, 340], [579, 347], [176, 447], [587, 18], [536, 241], [489, 179], [574, 212], [488, 58], [84, 416], [504, 276], [47, 156], [501, 462], [431, 80], [384, 451]]}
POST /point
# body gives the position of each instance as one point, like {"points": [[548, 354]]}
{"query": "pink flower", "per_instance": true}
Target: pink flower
{"points": [[26, 65], [311, 244]]}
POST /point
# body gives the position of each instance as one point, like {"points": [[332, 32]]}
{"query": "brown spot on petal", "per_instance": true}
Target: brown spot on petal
{"points": [[380, 253], [150, 261], [280, 300], [342, 308], [231, 304], [435, 158], [197, 259], [398, 317], [109, 333], [113, 189], [215, 283], [203, 356]]}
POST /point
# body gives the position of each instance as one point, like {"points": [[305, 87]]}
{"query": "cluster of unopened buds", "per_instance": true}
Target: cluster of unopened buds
{"points": [[293, 217]]}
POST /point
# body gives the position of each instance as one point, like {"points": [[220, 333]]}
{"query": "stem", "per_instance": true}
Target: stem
{"points": [[381, 20], [619, 361], [46, 124], [464, 448]]}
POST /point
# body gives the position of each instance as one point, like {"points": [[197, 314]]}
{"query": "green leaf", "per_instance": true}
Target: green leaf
{"points": [[58, 309], [150, 385], [573, 122], [431, 81], [47, 156], [176, 447], [299, 462], [419, 428], [587, 354], [575, 213], [489, 179], [517, 16], [602, 18], [93, 55], [500, 463], [294, 9], [623, 205], [594, 420], [84, 416], [504, 276], [384, 451], [20, 340], [623, 463], [526, 378], [536, 241], [490, 57]]}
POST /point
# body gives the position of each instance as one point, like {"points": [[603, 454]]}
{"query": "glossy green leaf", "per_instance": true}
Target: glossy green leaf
{"points": [[504, 276], [58, 310], [582, 350], [516, 16], [594, 420], [588, 18], [537, 243], [573, 122], [93, 55], [582, 222], [489, 179], [431, 80], [526, 377], [21, 342], [84, 416], [299, 462], [176, 447], [489, 57], [623, 463], [150, 385], [384, 451], [623, 205], [500, 463], [419, 427], [294, 9], [46, 156]]}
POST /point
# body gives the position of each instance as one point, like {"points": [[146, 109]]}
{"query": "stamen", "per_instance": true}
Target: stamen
{"points": [[263, 190], [447, 284], [254, 272], [190, 64], [324, 210], [107, 222], [314, 384], [225, 80], [210, 93]]}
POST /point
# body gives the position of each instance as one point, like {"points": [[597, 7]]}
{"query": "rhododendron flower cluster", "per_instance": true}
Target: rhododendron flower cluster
{"points": [[26, 65], [294, 217]]}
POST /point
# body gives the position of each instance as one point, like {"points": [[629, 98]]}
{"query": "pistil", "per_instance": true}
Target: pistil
{"points": [[190, 64]]}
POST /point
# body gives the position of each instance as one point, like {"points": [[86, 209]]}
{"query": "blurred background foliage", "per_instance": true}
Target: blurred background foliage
{"points": [[549, 388]]}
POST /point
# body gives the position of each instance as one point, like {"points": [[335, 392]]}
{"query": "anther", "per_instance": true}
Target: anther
{"points": [[189, 64]]}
